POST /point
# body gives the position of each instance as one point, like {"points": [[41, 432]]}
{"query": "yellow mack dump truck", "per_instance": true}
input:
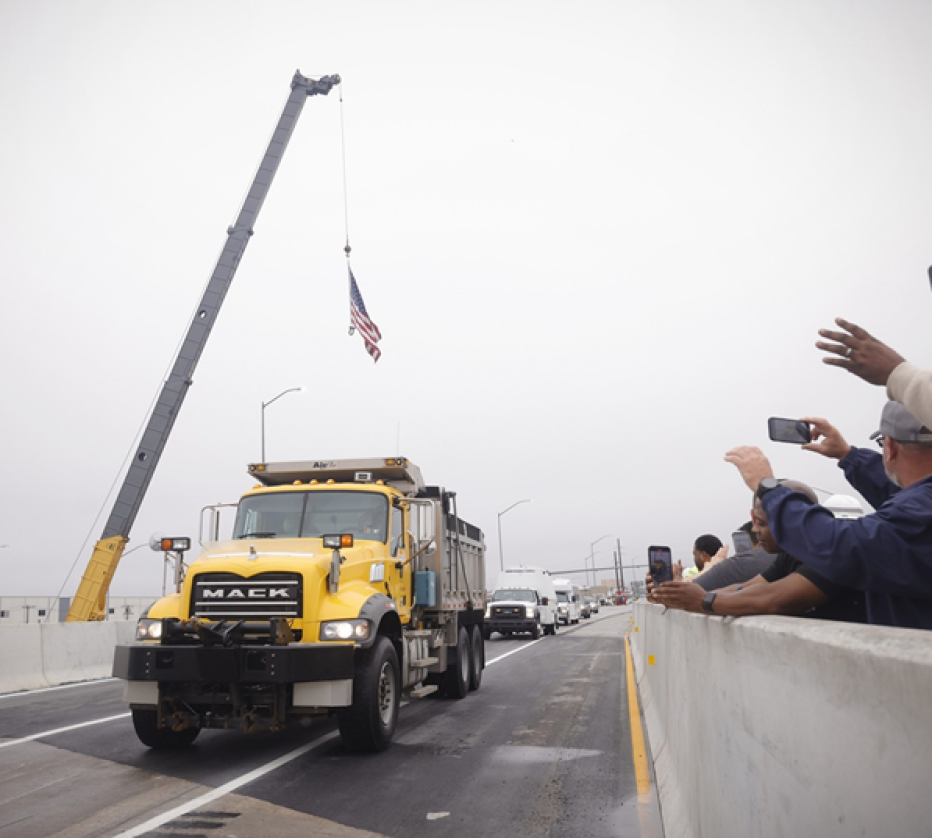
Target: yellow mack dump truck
{"points": [[346, 585]]}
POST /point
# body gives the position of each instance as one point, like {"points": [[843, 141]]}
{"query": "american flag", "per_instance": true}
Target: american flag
{"points": [[359, 319]]}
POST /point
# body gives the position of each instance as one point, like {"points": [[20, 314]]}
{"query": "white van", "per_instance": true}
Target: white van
{"points": [[524, 602], [567, 601]]}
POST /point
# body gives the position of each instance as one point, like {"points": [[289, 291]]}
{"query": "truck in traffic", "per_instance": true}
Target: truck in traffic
{"points": [[568, 606], [526, 602], [346, 586]]}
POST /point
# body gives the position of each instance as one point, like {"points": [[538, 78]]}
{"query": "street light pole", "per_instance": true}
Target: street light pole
{"points": [[501, 557], [266, 404], [592, 556]]}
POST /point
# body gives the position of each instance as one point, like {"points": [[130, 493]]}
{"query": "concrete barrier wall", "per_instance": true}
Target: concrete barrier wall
{"points": [[47, 654], [774, 726]]}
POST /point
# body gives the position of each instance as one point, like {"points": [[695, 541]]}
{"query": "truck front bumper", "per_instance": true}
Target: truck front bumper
{"points": [[297, 662], [501, 626]]}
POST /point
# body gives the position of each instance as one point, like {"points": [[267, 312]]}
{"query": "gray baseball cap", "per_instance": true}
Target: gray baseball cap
{"points": [[898, 423]]}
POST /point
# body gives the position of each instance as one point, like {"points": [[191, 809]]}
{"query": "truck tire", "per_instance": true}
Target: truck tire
{"points": [[476, 659], [145, 723], [535, 632], [368, 724], [456, 678]]}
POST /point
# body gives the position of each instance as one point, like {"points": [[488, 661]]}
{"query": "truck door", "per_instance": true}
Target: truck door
{"points": [[400, 579]]}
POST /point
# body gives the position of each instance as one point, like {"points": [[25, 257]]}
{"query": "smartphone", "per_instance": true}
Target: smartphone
{"points": [[742, 542], [789, 430], [660, 560]]}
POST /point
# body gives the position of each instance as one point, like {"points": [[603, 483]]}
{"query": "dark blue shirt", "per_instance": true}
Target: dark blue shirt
{"points": [[887, 554]]}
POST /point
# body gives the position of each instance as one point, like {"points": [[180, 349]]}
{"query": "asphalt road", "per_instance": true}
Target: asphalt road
{"points": [[542, 749]]}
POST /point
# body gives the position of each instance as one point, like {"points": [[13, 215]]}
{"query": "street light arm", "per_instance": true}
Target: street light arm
{"points": [[592, 556], [501, 557], [283, 393], [526, 500], [592, 545], [262, 413]]}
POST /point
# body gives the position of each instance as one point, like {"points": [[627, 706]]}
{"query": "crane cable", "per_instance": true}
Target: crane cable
{"points": [[346, 249]]}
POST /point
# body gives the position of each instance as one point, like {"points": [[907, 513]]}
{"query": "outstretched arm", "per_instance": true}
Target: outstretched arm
{"points": [[791, 595], [751, 463], [859, 352]]}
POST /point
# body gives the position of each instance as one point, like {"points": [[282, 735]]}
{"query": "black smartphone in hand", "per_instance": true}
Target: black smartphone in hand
{"points": [[794, 431], [660, 560]]}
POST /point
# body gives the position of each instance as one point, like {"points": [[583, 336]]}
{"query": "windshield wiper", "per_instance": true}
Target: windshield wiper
{"points": [[258, 535]]}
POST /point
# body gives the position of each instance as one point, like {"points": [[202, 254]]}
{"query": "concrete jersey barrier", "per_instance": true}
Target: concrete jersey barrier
{"points": [[778, 726], [48, 654]]}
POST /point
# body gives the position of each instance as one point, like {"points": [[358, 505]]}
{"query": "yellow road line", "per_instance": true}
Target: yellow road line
{"points": [[638, 746]]}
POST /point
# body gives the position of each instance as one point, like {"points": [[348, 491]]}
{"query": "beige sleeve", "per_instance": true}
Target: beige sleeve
{"points": [[912, 388]]}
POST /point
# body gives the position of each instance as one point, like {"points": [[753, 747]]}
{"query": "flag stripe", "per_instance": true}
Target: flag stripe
{"points": [[360, 319]]}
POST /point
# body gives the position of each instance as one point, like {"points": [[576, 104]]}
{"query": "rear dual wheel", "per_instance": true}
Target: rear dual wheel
{"points": [[465, 673], [476, 658], [456, 678]]}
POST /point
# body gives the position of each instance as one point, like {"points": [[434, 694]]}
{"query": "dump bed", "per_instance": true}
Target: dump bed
{"points": [[398, 472]]}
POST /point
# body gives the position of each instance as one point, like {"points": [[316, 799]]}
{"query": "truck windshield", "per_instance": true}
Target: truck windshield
{"points": [[562, 596], [514, 595], [312, 515]]}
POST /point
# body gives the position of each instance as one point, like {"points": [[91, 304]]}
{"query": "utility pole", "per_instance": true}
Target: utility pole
{"points": [[621, 566]]}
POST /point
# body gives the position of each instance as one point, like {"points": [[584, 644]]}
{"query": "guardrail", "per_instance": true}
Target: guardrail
{"points": [[48, 654], [765, 726]]}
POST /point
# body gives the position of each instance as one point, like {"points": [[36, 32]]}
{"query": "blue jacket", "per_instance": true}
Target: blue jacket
{"points": [[887, 554]]}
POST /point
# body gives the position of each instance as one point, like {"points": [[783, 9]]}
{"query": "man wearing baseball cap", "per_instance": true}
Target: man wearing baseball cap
{"points": [[887, 554]]}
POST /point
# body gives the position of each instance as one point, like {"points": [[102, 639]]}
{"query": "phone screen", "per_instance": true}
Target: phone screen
{"points": [[789, 430], [742, 542], [660, 560]]}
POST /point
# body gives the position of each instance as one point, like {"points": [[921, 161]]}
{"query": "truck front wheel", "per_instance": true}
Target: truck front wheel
{"points": [[146, 724], [369, 723]]}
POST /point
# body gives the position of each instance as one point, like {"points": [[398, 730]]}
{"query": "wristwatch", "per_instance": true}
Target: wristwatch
{"points": [[707, 601], [768, 484]]}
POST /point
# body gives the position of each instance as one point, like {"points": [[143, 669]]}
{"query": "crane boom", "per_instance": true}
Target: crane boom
{"points": [[90, 600]]}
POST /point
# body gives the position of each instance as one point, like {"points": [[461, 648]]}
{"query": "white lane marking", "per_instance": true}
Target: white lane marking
{"points": [[513, 652], [60, 687], [12, 742], [215, 794], [527, 646]]}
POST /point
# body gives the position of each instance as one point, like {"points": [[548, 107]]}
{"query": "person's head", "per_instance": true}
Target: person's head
{"points": [[906, 444], [705, 547], [759, 517], [749, 529]]}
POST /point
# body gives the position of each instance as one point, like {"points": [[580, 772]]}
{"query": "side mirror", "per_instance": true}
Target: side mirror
{"points": [[545, 601]]}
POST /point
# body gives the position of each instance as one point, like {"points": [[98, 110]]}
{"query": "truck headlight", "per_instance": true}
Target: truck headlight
{"points": [[529, 611], [149, 629], [345, 630]]}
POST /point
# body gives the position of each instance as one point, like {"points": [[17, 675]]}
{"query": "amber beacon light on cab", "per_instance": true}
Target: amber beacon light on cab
{"points": [[346, 586]]}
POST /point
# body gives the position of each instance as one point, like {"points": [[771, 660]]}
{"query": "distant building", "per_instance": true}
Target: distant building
{"points": [[19, 610]]}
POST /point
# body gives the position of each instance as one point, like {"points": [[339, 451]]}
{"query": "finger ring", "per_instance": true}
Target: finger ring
{"points": [[848, 352]]}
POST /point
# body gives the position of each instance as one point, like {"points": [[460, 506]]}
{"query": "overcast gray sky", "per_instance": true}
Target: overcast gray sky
{"points": [[598, 239]]}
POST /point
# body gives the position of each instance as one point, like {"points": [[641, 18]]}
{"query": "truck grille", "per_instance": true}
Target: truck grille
{"points": [[508, 611], [224, 596]]}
